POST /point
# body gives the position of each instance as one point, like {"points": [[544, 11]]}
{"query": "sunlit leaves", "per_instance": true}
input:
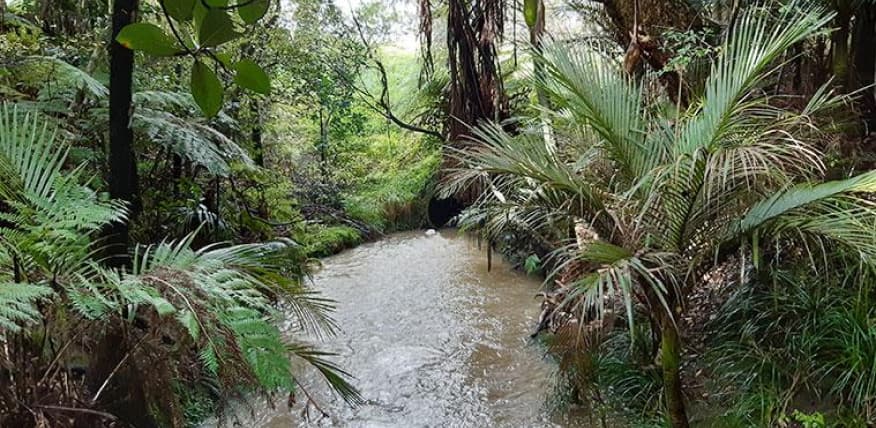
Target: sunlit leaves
{"points": [[206, 89], [147, 38], [250, 76]]}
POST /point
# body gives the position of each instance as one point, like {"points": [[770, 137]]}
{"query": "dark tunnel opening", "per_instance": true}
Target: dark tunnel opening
{"points": [[441, 211]]}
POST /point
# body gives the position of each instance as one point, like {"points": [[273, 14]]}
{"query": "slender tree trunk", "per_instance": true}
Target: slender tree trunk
{"points": [[2, 15], [536, 35], [671, 360], [123, 182], [864, 44], [258, 144], [839, 43], [323, 143]]}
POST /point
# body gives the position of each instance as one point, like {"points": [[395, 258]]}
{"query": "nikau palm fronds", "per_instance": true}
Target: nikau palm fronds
{"points": [[668, 197]]}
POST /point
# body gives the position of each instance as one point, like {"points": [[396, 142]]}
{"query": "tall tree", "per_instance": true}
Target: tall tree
{"points": [[476, 90], [123, 181]]}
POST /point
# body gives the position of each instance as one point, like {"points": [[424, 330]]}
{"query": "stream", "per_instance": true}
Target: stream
{"points": [[432, 338]]}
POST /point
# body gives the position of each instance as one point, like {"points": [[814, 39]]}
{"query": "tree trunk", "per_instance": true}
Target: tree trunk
{"points": [[647, 20], [476, 89], [323, 143], [477, 93], [671, 361], [256, 135], [864, 45], [839, 43], [536, 33], [123, 182], [2, 15]]}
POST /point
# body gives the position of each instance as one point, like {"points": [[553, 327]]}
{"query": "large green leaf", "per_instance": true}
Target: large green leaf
{"points": [[147, 38], [251, 76], [206, 89], [253, 10], [217, 3], [216, 28], [530, 12], [181, 10], [199, 13]]}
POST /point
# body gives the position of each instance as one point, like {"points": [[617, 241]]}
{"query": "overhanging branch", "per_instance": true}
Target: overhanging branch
{"points": [[382, 104]]}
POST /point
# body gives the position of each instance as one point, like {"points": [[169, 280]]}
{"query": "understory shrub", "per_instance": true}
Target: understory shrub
{"points": [[115, 343]]}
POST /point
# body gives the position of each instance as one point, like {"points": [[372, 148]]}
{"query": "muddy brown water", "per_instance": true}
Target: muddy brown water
{"points": [[433, 339]]}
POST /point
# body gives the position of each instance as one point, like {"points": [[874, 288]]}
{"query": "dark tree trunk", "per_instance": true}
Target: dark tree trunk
{"points": [[2, 15], [647, 20], [864, 45], [671, 359], [839, 43], [123, 182], [256, 135], [477, 93], [476, 90]]}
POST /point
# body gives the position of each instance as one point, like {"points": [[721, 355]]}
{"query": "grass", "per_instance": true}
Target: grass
{"points": [[803, 345]]}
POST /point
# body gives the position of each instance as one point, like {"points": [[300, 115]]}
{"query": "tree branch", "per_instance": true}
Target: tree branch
{"points": [[382, 105]]}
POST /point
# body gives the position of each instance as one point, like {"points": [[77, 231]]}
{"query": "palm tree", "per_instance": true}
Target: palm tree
{"points": [[667, 194]]}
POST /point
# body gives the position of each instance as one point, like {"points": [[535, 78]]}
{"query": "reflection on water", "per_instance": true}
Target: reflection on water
{"points": [[433, 339]]}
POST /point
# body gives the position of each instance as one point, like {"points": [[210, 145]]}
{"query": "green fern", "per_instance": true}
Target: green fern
{"points": [[17, 305]]}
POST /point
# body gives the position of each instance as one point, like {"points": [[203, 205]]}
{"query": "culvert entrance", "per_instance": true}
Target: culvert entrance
{"points": [[442, 210]]}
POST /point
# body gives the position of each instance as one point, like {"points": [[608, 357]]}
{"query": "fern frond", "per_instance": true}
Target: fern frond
{"points": [[17, 304]]}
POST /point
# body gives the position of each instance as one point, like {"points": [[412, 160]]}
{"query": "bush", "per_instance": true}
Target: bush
{"points": [[393, 193], [120, 341]]}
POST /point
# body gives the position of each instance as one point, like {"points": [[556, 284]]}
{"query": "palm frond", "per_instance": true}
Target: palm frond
{"points": [[597, 94], [747, 58], [335, 376], [801, 196]]}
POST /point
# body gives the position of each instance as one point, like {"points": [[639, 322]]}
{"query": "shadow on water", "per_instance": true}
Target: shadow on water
{"points": [[432, 338]]}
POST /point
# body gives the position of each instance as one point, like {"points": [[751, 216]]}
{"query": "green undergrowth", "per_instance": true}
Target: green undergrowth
{"points": [[800, 346], [396, 173], [322, 240]]}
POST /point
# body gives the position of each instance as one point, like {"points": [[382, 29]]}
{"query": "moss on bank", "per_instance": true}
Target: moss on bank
{"points": [[324, 241]]}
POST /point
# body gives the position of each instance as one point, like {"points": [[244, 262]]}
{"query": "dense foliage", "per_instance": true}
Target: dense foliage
{"points": [[694, 179], [647, 199], [148, 253]]}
